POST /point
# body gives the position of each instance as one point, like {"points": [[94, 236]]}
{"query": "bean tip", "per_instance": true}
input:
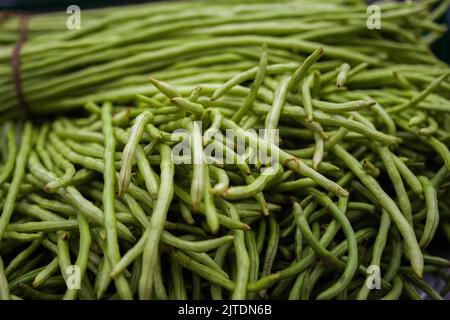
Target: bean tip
{"points": [[343, 193], [114, 273]]}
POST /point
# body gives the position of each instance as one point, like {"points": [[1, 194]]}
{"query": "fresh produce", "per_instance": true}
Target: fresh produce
{"points": [[278, 150]]}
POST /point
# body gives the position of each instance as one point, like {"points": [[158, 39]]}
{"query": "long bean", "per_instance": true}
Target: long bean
{"points": [[165, 195], [109, 177], [19, 173]]}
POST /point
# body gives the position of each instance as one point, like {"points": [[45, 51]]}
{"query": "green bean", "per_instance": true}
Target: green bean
{"points": [[357, 69], [149, 101], [46, 273], [96, 193], [394, 265], [211, 215], [215, 125], [185, 104], [165, 88], [306, 98], [205, 259], [409, 176], [279, 101], [330, 107], [261, 236], [300, 73], [149, 176], [196, 290], [19, 172], [318, 152], [222, 179], [241, 192], [253, 254], [52, 205], [22, 236], [9, 165], [129, 151], [424, 287], [219, 258], [39, 295], [441, 149], [77, 135], [297, 288], [411, 291], [112, 245], [103, 278], [160, 290], [40, 146], [165, 195], [242, 257], [430, 130], [37, 212], [438, 261], [315, 83], [63, 254], [177, 281], [432, 216], [186, 214], [198, 179], [394, 175], [396, 290], [298, 212], [272, 247], [196, 93], [4, 288], [259, 77], [43, 226]]}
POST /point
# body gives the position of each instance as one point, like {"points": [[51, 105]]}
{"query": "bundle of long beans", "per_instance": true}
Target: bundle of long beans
{"points": [[347, 201], [110, 57]]}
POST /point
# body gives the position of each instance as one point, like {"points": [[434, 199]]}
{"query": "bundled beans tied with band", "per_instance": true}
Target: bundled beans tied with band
{"points": [[220, 150]]}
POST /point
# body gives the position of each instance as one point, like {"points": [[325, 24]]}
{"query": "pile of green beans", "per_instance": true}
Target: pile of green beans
{"points": [[354, 186]]}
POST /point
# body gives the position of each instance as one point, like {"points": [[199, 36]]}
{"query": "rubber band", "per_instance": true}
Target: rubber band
{"points": [[4, 16]]}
